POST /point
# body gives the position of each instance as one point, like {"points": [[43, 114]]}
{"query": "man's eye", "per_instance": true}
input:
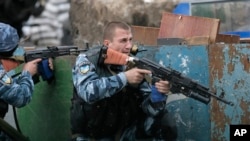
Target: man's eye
{"points": [[124, 40]]}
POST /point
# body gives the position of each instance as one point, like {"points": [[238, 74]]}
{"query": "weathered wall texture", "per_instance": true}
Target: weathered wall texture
{"points": [[88, 17]]}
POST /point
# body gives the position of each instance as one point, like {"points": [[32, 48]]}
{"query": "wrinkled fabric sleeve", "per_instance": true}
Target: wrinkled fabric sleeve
{"points": [[19, 92], [90, 86]]}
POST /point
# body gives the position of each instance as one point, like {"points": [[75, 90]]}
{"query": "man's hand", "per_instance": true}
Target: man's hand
{"points": [[51, 66], [135, 75], [31, 66], [163, 86]]}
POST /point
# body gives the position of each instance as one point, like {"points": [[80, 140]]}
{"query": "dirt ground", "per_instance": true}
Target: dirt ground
{"points": [[88, 17]]}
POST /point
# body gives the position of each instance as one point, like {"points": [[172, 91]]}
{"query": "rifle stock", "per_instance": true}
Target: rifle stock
{"points": [[110, 56], [179, 82]]}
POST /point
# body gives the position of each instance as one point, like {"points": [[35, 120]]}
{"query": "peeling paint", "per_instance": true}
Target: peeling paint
{"points": [[191, 116], [226, 69], [185, 60], [235, 83]]}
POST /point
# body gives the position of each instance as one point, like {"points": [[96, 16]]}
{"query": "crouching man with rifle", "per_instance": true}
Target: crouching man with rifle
{"points": [[111, 103]]}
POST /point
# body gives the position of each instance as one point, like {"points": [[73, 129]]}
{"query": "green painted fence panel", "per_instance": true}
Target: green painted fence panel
{"points": [[46, 118]]}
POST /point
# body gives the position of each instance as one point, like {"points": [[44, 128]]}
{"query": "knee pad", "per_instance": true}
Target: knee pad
{"points": [[164, 128], [168, 127]]}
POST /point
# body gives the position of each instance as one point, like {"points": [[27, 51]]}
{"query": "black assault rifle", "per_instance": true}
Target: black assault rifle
{"points": [[52, 52], [179, 83], [45, 53]]}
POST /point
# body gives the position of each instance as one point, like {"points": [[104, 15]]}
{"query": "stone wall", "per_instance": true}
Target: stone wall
{"points": [[88, 17]]}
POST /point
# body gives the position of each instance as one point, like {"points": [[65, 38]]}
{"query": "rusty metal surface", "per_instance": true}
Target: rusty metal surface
{"points": [[225, 68], [182, 26], [228, 39], [191, 116], [230, 73], [145, 35]]}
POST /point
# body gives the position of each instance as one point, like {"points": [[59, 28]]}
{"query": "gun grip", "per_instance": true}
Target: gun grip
{"points": [[155, 79], [45, 71]]}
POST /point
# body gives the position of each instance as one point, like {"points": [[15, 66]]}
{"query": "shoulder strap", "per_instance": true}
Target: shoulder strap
{"points": [[93, 51]]}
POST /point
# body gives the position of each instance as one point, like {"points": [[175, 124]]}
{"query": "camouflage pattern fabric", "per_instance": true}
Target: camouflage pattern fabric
{"points": [[14, 91], [8, 38]]}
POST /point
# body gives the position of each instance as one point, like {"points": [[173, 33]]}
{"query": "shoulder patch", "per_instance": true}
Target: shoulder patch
{"points": [[5, 79], [84, 67]]}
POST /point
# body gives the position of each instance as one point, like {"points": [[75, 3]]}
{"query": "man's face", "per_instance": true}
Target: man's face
{"points": [[122, 41]]}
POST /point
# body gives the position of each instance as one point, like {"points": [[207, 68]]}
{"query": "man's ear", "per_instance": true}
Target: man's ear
{"points": [[106, 43]]}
